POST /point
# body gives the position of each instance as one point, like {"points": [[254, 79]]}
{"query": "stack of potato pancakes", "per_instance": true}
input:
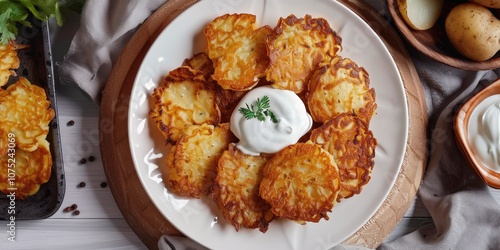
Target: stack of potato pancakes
{"points": [[303, 181], [25, 114]]}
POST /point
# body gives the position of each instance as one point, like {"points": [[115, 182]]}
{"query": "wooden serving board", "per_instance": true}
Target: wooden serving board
{"points": [[131, 198]]}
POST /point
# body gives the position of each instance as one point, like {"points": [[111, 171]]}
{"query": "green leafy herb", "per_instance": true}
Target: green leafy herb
{"points": [[259, 111], [16, 12]]}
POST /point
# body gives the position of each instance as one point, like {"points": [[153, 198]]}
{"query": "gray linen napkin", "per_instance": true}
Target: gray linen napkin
{"points": [[105, 28], [465, 215]]}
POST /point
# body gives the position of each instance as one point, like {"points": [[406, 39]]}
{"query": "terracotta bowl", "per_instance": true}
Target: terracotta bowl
{"points": [[461, 124], [435, 44]]}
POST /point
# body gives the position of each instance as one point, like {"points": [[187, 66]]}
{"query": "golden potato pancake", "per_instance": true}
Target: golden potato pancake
{"points": [[32, 169], [352, 145], [340, 87], [238, 50], [236, 190], [26, 113], [183, 98], [301, 183], [192, 162], [296, 47], [9, 61]]}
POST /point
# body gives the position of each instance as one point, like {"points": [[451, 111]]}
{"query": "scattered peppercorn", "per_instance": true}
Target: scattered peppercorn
{"points": [[76, 212], [74, 206], [104, 184], [67, 209], [91, 158], [71, 123], [83, 161], [82, 184]]}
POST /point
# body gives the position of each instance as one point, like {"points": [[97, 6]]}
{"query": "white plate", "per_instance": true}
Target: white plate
{"points": [[195, 218]]}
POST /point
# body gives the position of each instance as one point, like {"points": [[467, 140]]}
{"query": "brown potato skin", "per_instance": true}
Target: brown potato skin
{"points": [[473, 31], [495, 4]]}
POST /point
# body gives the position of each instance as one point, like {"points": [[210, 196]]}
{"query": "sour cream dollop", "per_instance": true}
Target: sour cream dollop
{"points": [[484, 132], [266, 136]]}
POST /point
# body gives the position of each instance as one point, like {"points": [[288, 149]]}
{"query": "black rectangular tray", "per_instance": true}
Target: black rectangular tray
{"points": [[37, 67]]}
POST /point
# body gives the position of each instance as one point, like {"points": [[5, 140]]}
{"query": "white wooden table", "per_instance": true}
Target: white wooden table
{"points": [[100, 224]]}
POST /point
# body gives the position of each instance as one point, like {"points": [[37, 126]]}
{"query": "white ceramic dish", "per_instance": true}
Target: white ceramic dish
{"points": [[197, 218]]}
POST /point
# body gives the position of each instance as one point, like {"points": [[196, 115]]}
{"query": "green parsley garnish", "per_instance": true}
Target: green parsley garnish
{"points": [[15, 12], [259, 111]]}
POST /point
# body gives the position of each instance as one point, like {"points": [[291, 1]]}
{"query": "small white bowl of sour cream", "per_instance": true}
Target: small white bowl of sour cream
{"points": [[477, 129]]}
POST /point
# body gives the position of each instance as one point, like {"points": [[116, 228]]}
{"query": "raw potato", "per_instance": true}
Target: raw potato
{"points": [[420, 14], [488, 3], [474, 31]]}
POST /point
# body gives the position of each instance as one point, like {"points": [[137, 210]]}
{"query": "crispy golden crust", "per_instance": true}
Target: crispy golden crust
{"points": [[352, 145], [192, 162], [236, 190], [31, 170], [296, 47], [182, 99], [340, 87], [26, 113], [237, 49], [9, 61], [301, 183]]}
